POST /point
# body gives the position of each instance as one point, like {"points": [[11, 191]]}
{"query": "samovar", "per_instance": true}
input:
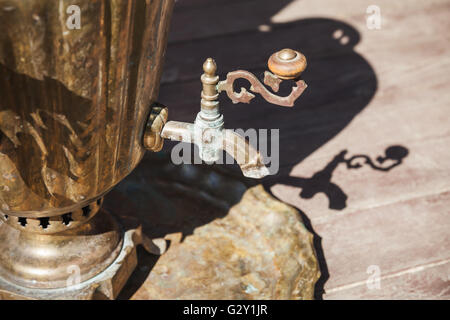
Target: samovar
{"points": [[77, 112]]}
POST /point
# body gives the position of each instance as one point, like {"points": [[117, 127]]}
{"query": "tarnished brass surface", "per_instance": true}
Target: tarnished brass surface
{"points": [[73, 107], [75, 119], [74, 103], [47, 261], [208, 130], [54, 224], [156, 121], [286, 64], [111, 273]]}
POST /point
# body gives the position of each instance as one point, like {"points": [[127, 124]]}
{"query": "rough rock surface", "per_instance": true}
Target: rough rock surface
{"points": [[227, 240]]}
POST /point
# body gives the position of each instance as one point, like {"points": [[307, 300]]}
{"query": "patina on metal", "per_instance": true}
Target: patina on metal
{"points": [[208, 131], [286, 64], [77, 112], [73, 107]]}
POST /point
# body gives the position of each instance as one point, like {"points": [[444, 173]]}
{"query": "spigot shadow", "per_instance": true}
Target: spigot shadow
{"points": [[321, 182]]}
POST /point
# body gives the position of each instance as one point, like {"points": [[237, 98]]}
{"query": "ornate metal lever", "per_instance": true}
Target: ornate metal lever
{"points": [[208, 131], [286, 64]]}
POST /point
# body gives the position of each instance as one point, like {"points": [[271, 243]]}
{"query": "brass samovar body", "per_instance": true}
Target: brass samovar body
{"points": [[78, 90], [73, 106], [73, 103]]}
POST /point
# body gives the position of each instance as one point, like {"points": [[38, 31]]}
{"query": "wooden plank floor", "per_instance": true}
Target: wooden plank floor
{"points": [[368, 90]]}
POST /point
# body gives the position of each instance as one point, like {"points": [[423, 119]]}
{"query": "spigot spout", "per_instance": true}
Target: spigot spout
{"points": [[247, 157]]}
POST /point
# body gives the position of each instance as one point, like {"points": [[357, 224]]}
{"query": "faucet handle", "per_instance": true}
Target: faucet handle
{"points": [[286, 64], [208, 131]]}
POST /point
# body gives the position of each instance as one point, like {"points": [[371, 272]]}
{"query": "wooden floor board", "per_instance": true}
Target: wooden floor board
{"points": [[395, 237], [384, 88], [429, 282]]}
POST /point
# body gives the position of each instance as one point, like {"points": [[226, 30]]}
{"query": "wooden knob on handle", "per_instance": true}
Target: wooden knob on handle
{"points": [[287, 64]]}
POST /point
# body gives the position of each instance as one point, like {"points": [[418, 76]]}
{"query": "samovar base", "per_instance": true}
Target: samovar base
{"points": [[49, 256], [105, 285]]}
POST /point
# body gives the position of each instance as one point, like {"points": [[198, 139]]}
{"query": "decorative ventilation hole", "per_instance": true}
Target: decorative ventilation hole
{"points": [[86, 211], [6, 216], [44, 222], [66, 218], [22, 221], [99, 201]]}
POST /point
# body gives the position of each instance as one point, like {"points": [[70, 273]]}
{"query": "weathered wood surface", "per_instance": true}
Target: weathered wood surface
{"points": [[383, 88]]}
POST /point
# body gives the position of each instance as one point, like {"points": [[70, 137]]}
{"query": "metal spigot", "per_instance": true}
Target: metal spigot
{"points": [[208, 131]]}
